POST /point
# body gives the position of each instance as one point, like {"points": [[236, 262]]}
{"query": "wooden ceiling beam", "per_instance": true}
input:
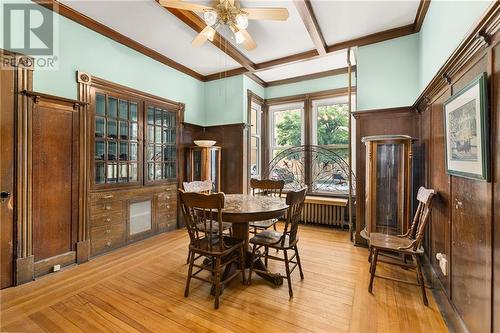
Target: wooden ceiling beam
{"points": [[373, 38], [312, 76], [197, 24], [294, 58], [421, 12], [306, 13]]}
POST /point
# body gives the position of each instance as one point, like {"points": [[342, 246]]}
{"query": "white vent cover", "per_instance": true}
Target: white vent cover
{"points": [[140, 217]]}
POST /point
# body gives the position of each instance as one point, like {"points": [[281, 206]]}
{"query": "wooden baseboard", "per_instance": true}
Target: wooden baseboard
{"points": [[82, 251], [447, 309], [25, 270], [45, 266]]}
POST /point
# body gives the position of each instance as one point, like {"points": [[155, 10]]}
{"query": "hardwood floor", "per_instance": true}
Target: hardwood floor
{"points": [[140, 289]]}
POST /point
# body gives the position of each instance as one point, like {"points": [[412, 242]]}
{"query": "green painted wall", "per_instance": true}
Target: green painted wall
{"points": [[325, 83], [393, 73], [83, 49], [446, 24], [249, 84], [224, 101], [387, 73]]}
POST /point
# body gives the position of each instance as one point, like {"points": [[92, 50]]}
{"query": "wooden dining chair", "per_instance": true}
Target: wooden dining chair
{"points": [[285, 241], [406, 245], [265, 187], [205, 186], [209, 251]]}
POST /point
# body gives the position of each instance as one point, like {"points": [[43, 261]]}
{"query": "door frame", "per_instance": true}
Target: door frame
{"points": [[23, 67]]}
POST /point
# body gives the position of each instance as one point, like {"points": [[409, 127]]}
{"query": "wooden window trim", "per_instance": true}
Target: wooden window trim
{"points": [[307, 99]]}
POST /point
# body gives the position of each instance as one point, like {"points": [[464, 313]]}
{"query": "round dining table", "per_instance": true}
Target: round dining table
{"points": [[240, 210]]}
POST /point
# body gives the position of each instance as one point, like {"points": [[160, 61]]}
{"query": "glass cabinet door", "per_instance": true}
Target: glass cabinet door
{"points": [[389, 188], [161, 152], [214, 169], [115, 140]]}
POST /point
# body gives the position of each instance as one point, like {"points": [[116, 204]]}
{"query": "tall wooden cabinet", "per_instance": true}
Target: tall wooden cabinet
{"points": [[389, 161], [204, 164], [133, 164]]}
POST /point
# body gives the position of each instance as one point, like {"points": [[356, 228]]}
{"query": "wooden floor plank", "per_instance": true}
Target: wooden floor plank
{"points": [[140, 288]]}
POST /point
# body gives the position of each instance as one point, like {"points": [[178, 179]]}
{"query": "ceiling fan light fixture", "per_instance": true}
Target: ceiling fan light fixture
{"points": [[210, 17], [239, 37], [241, 21], [210, 35]]}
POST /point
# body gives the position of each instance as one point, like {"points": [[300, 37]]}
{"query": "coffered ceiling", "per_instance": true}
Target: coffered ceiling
{"points": [[313, 40]]}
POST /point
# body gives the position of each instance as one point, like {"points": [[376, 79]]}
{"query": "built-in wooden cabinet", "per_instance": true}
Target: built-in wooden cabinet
{"points": [[389, 160], [133, 164], [118, 217], [204, 164]]}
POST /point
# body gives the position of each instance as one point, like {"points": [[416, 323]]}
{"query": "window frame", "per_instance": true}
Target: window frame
{"points": [[309, 125], [272, 121], [258, 136]]}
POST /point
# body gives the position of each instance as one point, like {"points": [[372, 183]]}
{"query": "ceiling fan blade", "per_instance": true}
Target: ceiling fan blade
{"points": [[184, 5], [203, 36], [249, 44], [277, 14]]}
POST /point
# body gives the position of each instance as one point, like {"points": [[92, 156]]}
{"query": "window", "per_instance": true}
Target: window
{"points": [[316, 121], [331, 124], [255, 140], [330, 129], [287, 130], [287, 127]]}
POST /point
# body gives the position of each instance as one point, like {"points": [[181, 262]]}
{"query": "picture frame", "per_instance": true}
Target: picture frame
{"points": [[466, 131]]}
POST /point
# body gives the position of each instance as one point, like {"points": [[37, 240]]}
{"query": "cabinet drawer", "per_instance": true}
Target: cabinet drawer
{"points": [[166, 222], [167, 226], [106, 207], [102, 197], [106, 238], [106, 219], [167, 206]]}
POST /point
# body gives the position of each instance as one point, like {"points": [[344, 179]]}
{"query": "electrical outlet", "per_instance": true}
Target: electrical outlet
{"points": [[56, 268], [443, 263]]}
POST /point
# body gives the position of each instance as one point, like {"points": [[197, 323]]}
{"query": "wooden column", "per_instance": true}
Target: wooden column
{"points": [[24, 265], [83, 245]]}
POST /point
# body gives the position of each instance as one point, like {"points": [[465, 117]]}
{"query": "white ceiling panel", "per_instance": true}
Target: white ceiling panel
{"points": [[329, 62], [344, 20], [149, 24]]}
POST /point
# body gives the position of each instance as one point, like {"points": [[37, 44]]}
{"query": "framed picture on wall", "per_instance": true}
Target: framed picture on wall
{"points": [[466, 131]]}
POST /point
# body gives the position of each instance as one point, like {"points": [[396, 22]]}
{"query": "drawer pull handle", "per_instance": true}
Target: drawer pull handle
{"points": [[168, 206], [108, 196], [108, 220], [107, 207], [108, 231], [108, 243]]}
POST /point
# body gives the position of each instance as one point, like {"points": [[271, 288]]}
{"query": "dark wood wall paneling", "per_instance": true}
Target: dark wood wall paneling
{"points": [[465, 222], [465, 216], [404, 120], [231, 138]]}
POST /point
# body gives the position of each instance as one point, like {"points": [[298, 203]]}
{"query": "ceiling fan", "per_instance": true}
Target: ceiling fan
{"points": [[229, 13]]}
